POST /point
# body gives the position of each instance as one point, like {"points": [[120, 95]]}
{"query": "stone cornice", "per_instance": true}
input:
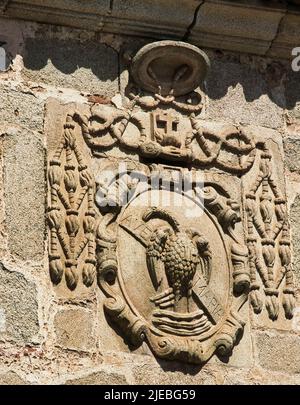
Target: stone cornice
{"points": [[259, 27]]}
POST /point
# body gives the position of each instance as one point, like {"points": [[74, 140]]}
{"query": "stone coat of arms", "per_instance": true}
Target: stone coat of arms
{"points": [[180, 221]]}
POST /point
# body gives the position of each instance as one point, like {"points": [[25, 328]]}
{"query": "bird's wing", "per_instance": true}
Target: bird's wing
{"points": [[154, 260], [156, 270], [205, 258]]}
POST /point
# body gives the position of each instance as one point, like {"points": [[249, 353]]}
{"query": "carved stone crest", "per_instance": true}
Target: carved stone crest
{"points": [[169, 288], [154, 207]]}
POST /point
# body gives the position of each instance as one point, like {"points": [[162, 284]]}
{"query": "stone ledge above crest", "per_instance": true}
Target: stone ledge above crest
{"points": [[258, 27]]}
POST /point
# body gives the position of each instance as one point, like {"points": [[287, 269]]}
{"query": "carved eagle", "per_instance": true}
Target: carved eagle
{"points": [[178, 254]]}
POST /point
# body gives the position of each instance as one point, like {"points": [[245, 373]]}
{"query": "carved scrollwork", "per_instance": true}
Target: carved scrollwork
{"points": [[186, 350], [226, 340]]}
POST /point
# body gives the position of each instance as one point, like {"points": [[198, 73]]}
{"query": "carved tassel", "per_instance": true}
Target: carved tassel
{"points": [[54, 218], [56, 269], [72, 223], [70, 181], [256, 299], [89, 223], [288, 302], [284, 252], [280, 209], [55, 173], [89, 272], [85, 177], [70, 139], [268, 251], [266, 211], [89, 269], [71, 274], [272, 303]]}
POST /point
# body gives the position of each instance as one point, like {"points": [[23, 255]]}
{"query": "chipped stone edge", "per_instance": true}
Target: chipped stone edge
{"points": [[106, 18]]}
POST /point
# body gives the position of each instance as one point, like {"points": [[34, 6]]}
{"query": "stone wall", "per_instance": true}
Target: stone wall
{"points": [[49, 336]]}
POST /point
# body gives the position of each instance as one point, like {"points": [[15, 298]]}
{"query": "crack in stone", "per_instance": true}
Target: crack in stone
{"points": [[193, 23], [277, 32]]}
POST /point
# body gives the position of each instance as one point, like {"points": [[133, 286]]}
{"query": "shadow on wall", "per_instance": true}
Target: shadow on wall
{"points": [[69, 55], [256, 76], [292, 90], [85, 66], [95, 67]]}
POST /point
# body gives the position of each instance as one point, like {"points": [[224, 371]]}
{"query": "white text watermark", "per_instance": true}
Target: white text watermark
{"points": [[163, 188], [2, 59], [296, 60]]}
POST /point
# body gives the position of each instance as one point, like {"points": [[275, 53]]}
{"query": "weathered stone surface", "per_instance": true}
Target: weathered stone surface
{"points": [[17, 107], [108, 339], [238, 93], [74, 328], [19, 307], [295, 226], [158, 13], [139, 225], [12, 34], [287, 34], [292, 153], [178, 249], [88, 15], [231, 25], [71, 64], [292, 90], [246, 29], [99, 378], [259, 376], [55, 116], [173, 374], [11, 378], [24, 184], [242, 356], [278, 352], [109, 266]]}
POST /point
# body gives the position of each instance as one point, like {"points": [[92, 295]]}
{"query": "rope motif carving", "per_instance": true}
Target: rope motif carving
{"points": [[214, 147]]}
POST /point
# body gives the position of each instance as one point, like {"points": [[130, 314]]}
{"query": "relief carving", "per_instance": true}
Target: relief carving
{"points": [[269, 244], [176, 242], [71, 214], [185, 308]]}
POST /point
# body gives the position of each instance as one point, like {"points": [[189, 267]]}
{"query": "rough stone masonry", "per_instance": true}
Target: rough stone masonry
{"points": [[150, 193]]}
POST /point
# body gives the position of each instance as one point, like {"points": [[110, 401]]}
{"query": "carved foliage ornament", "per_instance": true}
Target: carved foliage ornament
{"points": [[176, 257]]}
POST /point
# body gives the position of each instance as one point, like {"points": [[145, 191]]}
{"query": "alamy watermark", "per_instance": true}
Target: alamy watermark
{"points": [[163, 188], [296, 60], [2, 59]]}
